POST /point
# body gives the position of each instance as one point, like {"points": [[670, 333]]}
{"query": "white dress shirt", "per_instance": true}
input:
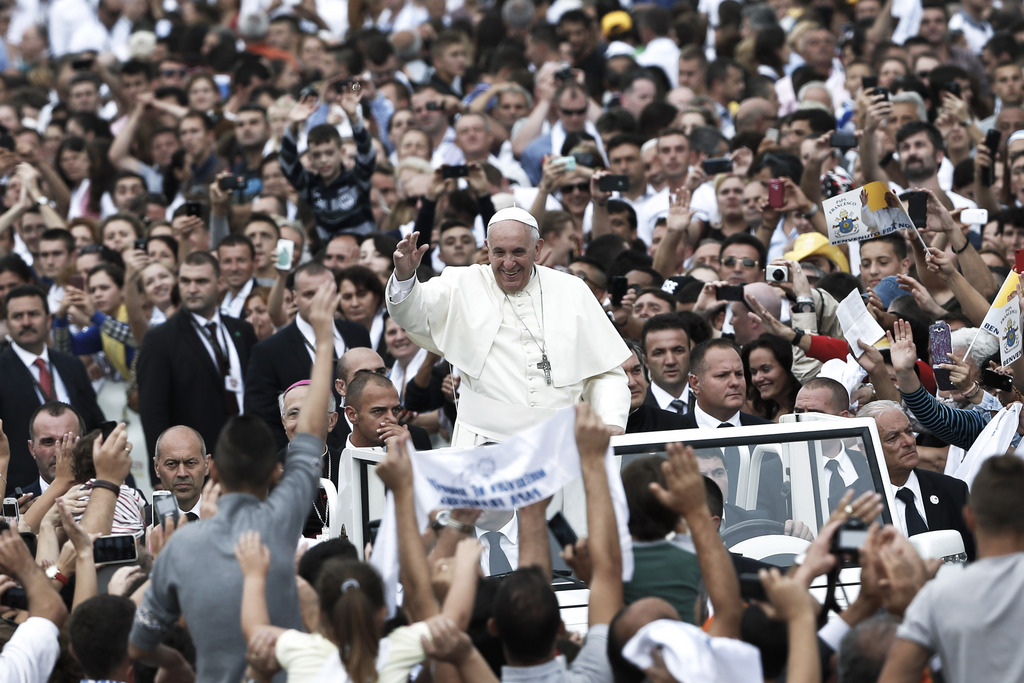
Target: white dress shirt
{"points": [[664, 398], [509, 542], [223, 338], [899, 516], [234, 306], [707, 421], [29, 358], [309, 335]]}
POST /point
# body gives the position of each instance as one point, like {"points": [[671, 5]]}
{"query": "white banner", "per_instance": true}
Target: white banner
{"points": [[531, 466]]}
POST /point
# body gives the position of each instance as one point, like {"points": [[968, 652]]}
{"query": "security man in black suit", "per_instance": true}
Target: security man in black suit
{"points": [[643, 416], [191, 369], [31, 375], [718, 380], [286, 358], [940, 497]]}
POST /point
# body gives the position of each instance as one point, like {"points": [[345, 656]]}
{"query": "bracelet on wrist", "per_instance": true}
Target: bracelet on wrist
{"points": [[962, 249], [973, 392], [108, 485]]}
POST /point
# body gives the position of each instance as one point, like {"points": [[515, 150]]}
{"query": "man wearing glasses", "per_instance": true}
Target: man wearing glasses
{"points": [[742, 260], [570, 104]]}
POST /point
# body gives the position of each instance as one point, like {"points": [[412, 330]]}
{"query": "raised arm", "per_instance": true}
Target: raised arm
{"points": [[680, 218], [396, 473], [17, 562], [879, 109], [113, 461], [685, 495], [592, 438], [313, 414]]}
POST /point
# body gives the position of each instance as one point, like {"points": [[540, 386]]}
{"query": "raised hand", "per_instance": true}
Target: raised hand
{"points": [[902, 349], [408, 256], [679, 212], [685, 493], [302, 110], [253, 556]]}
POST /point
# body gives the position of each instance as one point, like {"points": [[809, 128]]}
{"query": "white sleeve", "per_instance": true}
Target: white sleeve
{"points": [[398, 290], [31, 653]]}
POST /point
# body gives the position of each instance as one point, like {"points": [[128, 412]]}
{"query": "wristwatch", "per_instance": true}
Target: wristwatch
{"points": [[53, 573], [444, 519], [43, 201], [804, 304]]}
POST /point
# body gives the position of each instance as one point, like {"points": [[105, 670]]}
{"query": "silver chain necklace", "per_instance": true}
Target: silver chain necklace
{"points": [[544, 363]]}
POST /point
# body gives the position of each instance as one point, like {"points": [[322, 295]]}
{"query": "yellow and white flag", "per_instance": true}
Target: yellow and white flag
{"points": [[1003, 320]]}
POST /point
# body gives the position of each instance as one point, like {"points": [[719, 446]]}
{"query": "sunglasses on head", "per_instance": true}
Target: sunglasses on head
{"points": [[730, 261], [582, 187]]}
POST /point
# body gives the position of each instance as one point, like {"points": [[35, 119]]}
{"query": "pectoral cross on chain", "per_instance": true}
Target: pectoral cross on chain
{"points": [[545, 365]]}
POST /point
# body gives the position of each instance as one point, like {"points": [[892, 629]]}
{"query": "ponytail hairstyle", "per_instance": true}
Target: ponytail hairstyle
{"points": [[351, 595]]}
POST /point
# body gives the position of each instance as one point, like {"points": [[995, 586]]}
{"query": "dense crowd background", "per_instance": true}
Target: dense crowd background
{"points": [[202, 199]]}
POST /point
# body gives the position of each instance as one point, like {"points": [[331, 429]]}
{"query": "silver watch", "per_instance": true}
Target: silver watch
{"points": [[444, 519]]}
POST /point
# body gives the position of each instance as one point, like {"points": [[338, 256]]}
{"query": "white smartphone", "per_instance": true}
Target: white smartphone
{"points": [[772, 134], [285, 254], [11, 510], [974, 216]]}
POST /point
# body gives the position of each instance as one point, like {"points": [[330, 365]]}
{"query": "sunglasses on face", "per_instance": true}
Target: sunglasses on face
{"points": [[731, 261], [414, 200], [573, 112], [582, 187], [171, 73]]}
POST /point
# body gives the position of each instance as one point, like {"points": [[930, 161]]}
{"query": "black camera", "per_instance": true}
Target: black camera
{"points": [[848, 540], [564, 74]]}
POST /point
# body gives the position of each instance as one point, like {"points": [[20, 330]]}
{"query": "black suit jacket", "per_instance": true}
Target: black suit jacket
{"points": [[34, 488], [279, 362], [648, 418], [178, 381], [945, 510], [18, 400], [770, 499]]}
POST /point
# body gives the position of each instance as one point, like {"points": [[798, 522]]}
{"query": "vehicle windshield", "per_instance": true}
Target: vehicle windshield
{"points": [[778, 480]]}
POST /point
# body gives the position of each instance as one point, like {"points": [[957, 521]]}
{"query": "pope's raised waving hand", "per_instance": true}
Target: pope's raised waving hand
{"points": [[408, 256]]}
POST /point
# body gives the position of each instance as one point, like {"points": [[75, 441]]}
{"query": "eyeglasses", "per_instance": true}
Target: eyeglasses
{"points": [[573, 112], [582, 187], [730, 261], [171, 73]]}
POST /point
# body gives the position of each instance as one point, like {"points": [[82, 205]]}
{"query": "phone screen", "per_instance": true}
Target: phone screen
{"points": [[941, 346], [114, 549]]}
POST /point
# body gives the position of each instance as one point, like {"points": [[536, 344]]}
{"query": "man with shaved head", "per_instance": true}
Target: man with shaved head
{"points": [[182, 464]]}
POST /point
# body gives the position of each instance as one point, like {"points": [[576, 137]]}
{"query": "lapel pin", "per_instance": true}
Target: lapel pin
{"points": [[934, 500]]}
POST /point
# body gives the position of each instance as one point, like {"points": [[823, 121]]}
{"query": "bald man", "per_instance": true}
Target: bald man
{"points": [[182, 464]]}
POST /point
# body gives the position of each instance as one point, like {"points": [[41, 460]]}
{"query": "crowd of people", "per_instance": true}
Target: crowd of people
{"points": [[239, 238]]}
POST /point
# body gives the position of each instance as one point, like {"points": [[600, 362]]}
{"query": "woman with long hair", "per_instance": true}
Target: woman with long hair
{"points": [[771, 385]]}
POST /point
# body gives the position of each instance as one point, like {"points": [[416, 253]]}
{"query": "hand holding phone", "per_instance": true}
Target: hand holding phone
{"points": [[941, 346]]}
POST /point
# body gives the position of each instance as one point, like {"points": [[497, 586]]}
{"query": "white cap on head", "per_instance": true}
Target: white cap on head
{"points": [[514, 213]]}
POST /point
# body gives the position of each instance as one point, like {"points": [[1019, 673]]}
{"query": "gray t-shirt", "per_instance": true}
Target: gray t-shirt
{"points": [[972, 617], [196, 574], [590, 666]]}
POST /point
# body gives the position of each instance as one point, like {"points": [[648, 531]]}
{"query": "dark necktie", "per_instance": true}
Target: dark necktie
{"points": [[915, 525], [499, 563], [732, 465], [836, 486], [45, 380], [678, 406], [192, 517], [224, 367]]}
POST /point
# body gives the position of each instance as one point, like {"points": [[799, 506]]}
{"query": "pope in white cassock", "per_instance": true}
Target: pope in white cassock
{"points": [[526, 340]]}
